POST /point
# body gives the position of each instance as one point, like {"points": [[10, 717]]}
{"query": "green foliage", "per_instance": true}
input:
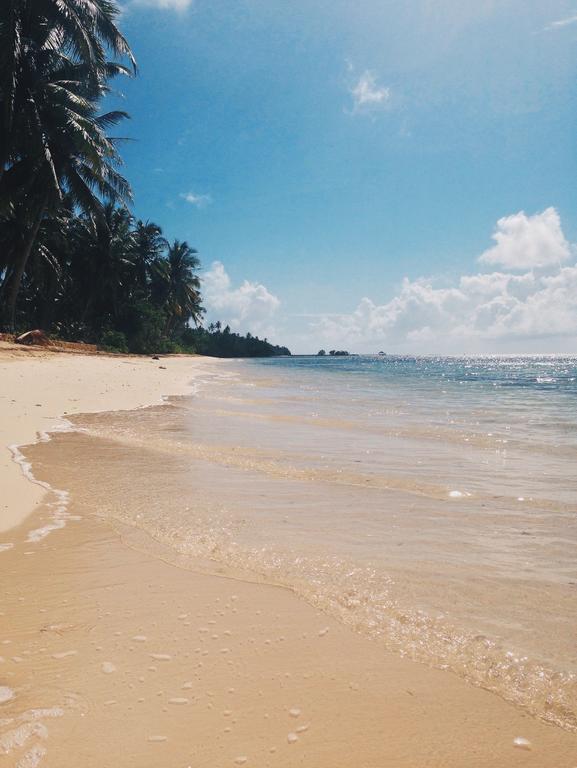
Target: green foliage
{"points": [[114, 341], [54, 73], [219, 342]]}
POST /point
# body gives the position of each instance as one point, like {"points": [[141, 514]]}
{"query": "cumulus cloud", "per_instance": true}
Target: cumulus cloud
{"points": [[199, 201], [368, 95], [249, 307], [528, 242], [479, 310]]}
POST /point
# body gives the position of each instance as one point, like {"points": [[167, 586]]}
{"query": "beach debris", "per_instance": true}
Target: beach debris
{"points": [[178, 700], [34, 337], [294, 712], [292, 737], [522, 743], [303, 728], [161, 656], [157, 739], [323, 632], [140, 638], [5, 694], [108, 667], [241, 760]]}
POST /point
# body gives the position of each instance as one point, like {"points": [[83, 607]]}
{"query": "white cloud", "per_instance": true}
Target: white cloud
{"points": [[368, 95], [200, 201], [528, 242], [171, 5], [562, 23], [480, 312], [249, 307]]}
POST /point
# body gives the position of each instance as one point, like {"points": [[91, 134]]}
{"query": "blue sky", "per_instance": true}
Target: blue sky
{"points": [[330, 154]]}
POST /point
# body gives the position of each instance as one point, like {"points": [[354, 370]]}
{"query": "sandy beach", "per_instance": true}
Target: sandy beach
{"points": [[120, 654]]}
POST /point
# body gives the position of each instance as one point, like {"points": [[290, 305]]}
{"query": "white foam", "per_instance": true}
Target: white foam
{"points": [[32, 758]]}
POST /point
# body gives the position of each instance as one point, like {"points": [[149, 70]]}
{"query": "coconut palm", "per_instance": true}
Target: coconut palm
{"points": [[183, 300], [64, 149], [80, 30], [53, 74], [101, 269]]}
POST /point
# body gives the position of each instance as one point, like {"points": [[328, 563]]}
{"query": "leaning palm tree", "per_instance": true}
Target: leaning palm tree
{"points": [[83, 30], [183, 301], [62, 148]]}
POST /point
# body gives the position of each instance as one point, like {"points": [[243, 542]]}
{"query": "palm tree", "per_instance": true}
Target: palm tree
{"points": [[148, 259], [65, 150], [183, 301], [53, 74], [82, 30], [102, 267]]}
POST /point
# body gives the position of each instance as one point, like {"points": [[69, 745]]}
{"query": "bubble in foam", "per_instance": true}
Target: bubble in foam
{"points": [[32, 758], [522, 743], [64, 654], [5, 694]]}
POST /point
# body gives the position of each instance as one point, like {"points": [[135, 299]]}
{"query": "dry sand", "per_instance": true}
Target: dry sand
{"points": [[118, 659]]}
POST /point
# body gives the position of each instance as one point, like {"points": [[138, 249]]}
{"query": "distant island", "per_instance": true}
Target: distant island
{"points": [[334, 353]]}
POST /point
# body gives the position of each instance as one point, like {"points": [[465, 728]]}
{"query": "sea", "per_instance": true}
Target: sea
{"points": [[429, 503]]}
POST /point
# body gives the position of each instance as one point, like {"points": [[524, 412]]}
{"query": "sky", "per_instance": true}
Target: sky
{"points": [[376, 175]]}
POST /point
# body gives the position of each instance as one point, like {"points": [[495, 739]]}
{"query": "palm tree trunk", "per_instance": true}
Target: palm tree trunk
{"points": [[12, 286]]}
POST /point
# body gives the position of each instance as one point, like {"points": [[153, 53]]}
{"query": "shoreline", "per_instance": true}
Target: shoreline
{"points": [[35, 400], [251, 675]]}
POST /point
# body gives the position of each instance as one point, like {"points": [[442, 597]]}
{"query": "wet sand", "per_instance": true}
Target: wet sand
{"points": [[120, 659], [39, 387], [115, 657]]}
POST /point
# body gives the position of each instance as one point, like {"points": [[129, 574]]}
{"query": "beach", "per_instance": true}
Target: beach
{"points": [[145, 621]]}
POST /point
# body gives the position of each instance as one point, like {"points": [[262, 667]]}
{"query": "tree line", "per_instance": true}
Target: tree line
{"points": [[73, 260]]}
